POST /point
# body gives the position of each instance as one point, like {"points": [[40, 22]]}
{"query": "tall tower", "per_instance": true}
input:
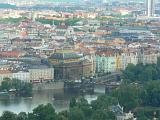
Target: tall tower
{"points": [[150, 7]]}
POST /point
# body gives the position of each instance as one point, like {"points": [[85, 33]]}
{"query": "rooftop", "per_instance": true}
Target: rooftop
{"points": [[70, 55], [4, 71], [39, 66]]}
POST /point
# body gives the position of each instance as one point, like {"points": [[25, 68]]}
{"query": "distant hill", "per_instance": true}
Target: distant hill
{"points": [[7, 6], [77, 1], [56, 0]]}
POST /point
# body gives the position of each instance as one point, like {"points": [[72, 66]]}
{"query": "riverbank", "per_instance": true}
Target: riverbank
{"points": [[58, 98], [48, 86]]}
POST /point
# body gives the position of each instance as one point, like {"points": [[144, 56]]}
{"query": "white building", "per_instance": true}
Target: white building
{"points": [[23, 76], [150, 58], [150, 8], [41, 75], [120, 114], [126, 116], [127, 58]]}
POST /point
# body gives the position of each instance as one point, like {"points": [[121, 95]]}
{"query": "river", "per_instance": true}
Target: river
{"points": [[58, 98]]}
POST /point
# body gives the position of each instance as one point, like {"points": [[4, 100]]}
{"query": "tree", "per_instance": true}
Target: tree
{"points": [[45, 21], [76, 114], [158, 62], [103, 102], [82, 104], [8, 116], [44, 112], [22, 116], [72, 102], [149, 73], [103, 115], [31, 116], [141, 115], [6, 84], [150, 95], [64, 115], [129, 72], [23, 88], [128, 96], [68, 22], [71, 22], [141, 73]]}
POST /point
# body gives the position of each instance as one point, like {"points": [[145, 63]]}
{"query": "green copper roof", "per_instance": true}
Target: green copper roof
{"points": [[62, 56]]}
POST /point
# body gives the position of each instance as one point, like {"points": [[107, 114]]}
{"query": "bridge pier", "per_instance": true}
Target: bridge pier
{"points": [[99, 88], [81, 87]]}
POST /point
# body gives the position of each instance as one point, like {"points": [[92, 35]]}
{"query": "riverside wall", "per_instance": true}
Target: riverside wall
{"points": [[48, 86]]}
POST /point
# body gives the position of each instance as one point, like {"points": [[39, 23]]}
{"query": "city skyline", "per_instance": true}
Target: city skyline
{"points": [[52, 51]]}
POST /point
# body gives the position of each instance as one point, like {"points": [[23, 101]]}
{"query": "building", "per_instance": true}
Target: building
{"points": [[120, 114], [12, 54], [105, 64], [150, 8], [127, 58], [150, 57], [35, 74], [126, 116], [41, 73], [21, 75], [70, 65], [108, 60], [63, 30]]}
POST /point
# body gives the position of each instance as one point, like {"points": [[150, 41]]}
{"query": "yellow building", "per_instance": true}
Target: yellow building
{"points": [[118, 62]]}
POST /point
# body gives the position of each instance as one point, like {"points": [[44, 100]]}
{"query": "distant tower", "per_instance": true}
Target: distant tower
{"points": [[34, 17], [154, 116], [53, 24], [150, 7]]}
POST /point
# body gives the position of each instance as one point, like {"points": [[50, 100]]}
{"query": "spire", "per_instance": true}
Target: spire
{"points": [[53, 23], [154, 118]]}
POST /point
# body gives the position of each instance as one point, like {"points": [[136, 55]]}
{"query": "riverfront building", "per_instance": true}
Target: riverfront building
{"points": [[70, 65], [34, 74], [107, 61], [41, 74]]}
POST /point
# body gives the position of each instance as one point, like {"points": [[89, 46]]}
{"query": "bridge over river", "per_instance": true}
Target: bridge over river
{"points": [[101, 84]]}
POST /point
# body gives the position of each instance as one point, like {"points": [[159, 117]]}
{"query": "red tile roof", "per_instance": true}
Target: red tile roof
{"points": [[11, 54], [4, 71]]}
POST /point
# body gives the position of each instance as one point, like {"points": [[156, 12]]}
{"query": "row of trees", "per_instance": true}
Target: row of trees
{"points": [[142, 100], [130, 96], [68, 22], [142, 73], [136, 93], [141, 88], [22, 88], [12, 20], [79, 110]]}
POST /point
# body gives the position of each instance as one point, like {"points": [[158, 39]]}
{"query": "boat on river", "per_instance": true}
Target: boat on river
{"points": [[4, 95], [12, 90]]}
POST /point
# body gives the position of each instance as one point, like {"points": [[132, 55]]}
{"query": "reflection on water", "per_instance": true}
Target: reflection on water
{"points": [[58, 98]]}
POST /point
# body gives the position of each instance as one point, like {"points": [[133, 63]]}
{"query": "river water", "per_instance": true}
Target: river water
{"points": [[58, 98]]}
